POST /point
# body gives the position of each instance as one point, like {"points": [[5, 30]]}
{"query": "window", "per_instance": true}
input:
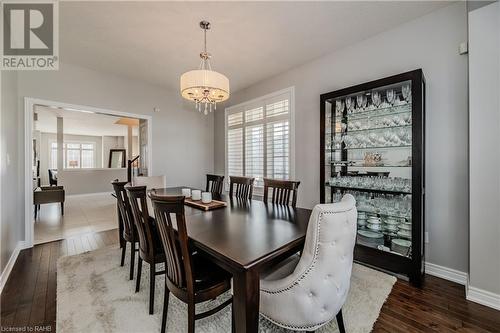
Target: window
{"points": [[258, 139], [76, 155]]}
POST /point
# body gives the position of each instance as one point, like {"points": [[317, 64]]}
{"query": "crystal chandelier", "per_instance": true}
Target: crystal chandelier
{"points": [[204, 86]]}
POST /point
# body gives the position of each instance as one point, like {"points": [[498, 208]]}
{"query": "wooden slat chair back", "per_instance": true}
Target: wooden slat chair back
{"points": [[137, 198], [215, 184], [150, 248], [284, 192], [129, 230], [125, 209], [241, 187], [175, 243], [191, 283]]}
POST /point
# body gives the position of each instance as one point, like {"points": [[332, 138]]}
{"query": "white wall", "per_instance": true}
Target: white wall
{"points": [[484, 139], [48, 138], [431, 43], [11, 199], [81, 181]]}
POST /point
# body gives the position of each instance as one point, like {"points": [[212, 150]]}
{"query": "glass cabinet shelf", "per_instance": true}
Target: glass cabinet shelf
{"points": [[375, 147], [379, 112], [356, 165], [398, 216], [377, 128], [327, 133], [369, 190]]}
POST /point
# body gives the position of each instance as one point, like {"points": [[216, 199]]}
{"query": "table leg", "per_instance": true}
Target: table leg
{"points": [[246, 289]]}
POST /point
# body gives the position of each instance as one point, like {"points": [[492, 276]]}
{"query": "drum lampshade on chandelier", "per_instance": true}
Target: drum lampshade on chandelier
{"points": [[204, 86]]}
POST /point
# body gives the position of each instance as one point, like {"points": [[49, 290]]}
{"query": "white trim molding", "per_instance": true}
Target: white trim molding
{"points": [[483, 297], [10, 264], [446, 273], [473, 294]]}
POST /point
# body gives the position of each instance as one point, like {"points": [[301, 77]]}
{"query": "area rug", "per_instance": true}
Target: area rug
{"points": [[94, 294]]}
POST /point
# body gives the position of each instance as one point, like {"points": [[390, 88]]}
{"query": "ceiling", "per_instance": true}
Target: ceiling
{"points": [[80, 123], [250, 41]]}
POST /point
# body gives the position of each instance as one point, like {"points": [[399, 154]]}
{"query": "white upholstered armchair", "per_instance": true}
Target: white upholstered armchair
{"points": [[304, 293]]}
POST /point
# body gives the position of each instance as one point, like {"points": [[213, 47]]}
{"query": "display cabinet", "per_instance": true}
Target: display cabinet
{"points": [[372, 146]]}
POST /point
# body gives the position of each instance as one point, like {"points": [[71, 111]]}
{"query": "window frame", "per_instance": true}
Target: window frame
{"points": [[65, 153], [251, 104]]}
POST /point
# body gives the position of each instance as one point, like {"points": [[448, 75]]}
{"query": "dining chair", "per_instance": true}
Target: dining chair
{"points": [[150, 182], [305, 292], [241, 187], [150, 247], [190, 277], [52, 177], [215, 184], [129, 229], [283, 191]]}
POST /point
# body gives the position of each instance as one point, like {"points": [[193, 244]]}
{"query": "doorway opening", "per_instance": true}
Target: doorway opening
{"points": [[73, 153]]}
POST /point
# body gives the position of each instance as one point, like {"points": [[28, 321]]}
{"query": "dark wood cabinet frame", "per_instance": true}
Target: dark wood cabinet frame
{"points": [[412, 267]]}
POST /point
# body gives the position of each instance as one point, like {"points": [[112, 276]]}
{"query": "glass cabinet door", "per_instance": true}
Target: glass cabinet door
{"points": [[368, 153]]}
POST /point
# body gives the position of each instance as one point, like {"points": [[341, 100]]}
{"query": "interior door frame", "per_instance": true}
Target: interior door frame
{"points": [[29, 103]]}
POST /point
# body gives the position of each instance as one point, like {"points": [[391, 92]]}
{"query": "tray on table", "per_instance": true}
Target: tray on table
{"points": [[214, 204]]}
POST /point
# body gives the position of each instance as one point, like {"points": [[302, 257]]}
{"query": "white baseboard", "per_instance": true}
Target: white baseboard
{"points": [[446, 273], [10, 264], [483, 297]]}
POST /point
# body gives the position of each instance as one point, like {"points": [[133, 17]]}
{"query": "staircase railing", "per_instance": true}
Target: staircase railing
{"points": [[133, 168]]}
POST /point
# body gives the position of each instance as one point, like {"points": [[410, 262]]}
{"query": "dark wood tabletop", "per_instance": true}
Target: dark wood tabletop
{"points": [[244, 238]]}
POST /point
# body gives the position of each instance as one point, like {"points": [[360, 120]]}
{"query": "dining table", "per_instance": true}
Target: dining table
{"points": [[245, 238]]}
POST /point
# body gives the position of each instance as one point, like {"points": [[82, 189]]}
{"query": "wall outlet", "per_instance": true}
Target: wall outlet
{"points": [[426, 237]]}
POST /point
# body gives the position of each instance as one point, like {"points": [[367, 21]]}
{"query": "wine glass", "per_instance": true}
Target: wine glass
{"points": [[359, 102], [391, 96], [376, 98], [407, 118], [337, 141], [406, 92], [349, 103], [364, 102], [339, 107]]}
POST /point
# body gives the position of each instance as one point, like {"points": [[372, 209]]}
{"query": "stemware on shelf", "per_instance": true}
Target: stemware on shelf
{"points": [[390, 95]]}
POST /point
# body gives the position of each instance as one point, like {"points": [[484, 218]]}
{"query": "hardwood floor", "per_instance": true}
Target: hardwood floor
{"points": [[29, 297]]}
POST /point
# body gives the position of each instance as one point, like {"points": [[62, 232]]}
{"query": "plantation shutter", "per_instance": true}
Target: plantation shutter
{"points": [[258, 139]]}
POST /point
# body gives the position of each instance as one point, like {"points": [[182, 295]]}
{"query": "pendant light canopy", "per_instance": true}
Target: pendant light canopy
{"points": [[204, 86]]}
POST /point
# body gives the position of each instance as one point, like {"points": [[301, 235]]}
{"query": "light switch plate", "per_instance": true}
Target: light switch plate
{"points": [[463, 48], [426, 237]]}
